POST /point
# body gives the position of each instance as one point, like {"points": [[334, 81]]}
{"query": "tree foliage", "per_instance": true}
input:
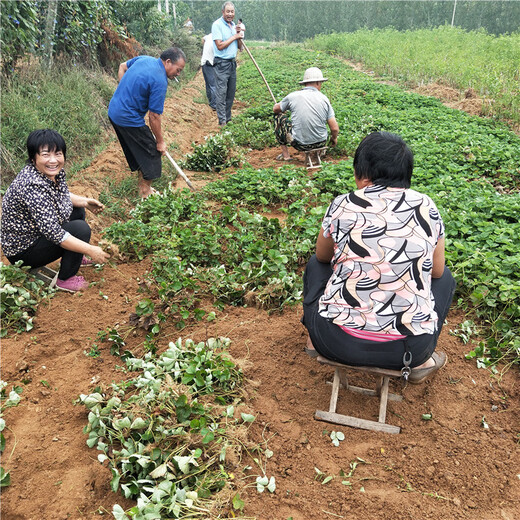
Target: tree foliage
{"points": [[18, 31], [296, 20], [76, 31]]}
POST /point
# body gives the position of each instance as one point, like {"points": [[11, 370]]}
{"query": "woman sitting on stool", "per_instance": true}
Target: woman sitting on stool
{"points": [[42, 221], [377, 291]]}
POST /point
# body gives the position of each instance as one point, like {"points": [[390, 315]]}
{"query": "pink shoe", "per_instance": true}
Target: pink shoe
{"points": [[72, 284], [86, 262]]}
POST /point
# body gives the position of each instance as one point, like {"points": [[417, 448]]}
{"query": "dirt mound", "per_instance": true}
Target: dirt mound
{"points": [[467, 101], [460, 464], [114, 49], [439, 91]]}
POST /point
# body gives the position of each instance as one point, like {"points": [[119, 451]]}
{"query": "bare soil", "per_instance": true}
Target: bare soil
{"points": [[449, 467]]}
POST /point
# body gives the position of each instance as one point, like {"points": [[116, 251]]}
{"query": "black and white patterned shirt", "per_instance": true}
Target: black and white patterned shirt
{"points": [[34, 206]]}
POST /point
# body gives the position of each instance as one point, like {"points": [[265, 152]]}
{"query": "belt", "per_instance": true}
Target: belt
{"points": [[217, 58]]}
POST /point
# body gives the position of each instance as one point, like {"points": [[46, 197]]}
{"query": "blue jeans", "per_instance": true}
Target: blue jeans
{"points": [[208, 72], [334, 343], [225, 88]]}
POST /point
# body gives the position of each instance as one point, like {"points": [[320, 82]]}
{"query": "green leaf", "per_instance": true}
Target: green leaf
{"points": [[5, 478], [121, 424], [114, 482], [119, 513], [238, 503], [138, 423], [159, 471]]}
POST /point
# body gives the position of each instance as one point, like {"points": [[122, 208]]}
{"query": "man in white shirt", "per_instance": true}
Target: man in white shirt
{"points": [[206, 62], [241, 26]]}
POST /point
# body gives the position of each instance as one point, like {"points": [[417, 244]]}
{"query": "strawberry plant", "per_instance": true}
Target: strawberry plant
{"points": [[216, 154], [20, 294], [164, 442], [467, 164]]}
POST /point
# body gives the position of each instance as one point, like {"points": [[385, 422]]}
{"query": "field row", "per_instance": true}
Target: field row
{"points": [[488, 64]]}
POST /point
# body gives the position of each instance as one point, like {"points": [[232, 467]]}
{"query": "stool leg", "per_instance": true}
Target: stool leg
{"points": [[335, 391], [384, 399], [343, 378], [308, 160]]}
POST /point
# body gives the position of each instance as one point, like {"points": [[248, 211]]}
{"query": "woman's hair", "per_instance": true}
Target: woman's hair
{"points": [[384, 159], [45, 139]]}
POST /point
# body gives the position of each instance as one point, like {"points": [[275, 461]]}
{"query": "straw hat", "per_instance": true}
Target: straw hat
{"points": [[312, 75]]}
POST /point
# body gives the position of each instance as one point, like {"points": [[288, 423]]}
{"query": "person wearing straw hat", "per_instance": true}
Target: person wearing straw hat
{"points": [[311, 112]]}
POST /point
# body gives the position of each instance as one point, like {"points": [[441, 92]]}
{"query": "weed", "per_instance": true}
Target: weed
{"points": [[94, 351], [6, 401]]}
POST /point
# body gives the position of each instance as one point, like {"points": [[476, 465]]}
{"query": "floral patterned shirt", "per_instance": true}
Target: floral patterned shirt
{"points": [[34, 206], [384, 240]]}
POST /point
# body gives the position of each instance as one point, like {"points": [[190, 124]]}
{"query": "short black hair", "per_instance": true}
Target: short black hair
{"points": [[384, 159], [39, 139], [174, 54]]}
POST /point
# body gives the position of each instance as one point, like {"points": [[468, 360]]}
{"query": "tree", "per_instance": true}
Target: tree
{"points": [[48, 34]]}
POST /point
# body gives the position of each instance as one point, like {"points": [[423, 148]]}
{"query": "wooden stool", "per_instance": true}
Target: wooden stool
{"points": [[340, 379], [48, 275], [318, 153]]}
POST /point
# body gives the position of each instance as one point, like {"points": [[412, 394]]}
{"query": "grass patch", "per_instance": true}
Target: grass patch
{"points": [[73, 101], [450, 55]]}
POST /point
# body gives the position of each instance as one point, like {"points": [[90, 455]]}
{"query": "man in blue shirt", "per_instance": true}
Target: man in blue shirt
{"points": [[227, 39], [143, 82]]}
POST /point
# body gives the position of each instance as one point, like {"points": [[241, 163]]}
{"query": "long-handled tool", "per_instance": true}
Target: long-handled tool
{"points": [[258, 68], [180, 172]]}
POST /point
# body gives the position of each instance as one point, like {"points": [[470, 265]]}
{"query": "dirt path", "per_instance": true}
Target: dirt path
{"points": [[449, 467]]}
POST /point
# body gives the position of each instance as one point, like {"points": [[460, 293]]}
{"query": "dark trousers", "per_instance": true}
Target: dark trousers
{"points": [[43, 251], [225, 87], [140, 149], [334, 343], [208, 72]]}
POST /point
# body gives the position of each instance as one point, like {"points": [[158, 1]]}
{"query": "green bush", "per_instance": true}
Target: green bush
{"points": [[214, 155], [71, 100]]}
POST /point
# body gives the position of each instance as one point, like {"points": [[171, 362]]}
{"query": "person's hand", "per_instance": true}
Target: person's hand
{"points": [[93, 205], [161, 147], [98, 255], [333, 141]]}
